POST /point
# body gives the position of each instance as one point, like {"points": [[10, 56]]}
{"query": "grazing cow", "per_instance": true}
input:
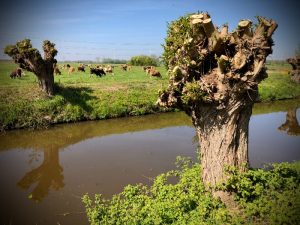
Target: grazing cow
{"points": [[124, 67], [97, 71], [146, 68], [154, 73], [99, 67], [80, 68], [57, 71], [16, 73], [71, 70], [109, 69]]}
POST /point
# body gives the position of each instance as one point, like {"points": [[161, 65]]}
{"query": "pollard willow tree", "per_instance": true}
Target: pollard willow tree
{"points": [[295, 63], [30, 59], [214, 77]]}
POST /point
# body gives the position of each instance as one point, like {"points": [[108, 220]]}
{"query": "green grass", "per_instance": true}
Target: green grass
{"points": [[80, 96], [278, 86]]}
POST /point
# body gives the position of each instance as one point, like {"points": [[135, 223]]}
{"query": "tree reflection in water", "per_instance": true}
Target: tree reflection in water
{"points": [[291, 125], [48, 175]]}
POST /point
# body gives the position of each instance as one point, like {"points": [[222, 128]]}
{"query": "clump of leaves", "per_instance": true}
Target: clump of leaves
{"points": [[271, 195]]}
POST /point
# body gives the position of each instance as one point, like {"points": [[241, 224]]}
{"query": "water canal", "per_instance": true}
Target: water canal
{"points": [[44, 173]]}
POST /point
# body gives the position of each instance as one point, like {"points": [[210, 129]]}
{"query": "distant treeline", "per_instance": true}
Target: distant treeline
{"points": [[104, 61], [144, 60], [114, 61], [278, 62]]}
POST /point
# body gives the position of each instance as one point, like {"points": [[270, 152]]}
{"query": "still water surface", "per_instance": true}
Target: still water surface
{"points": [[44, 173]]}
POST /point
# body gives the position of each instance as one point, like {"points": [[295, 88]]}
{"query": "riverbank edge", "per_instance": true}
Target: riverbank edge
{"points": [[46, 121]]}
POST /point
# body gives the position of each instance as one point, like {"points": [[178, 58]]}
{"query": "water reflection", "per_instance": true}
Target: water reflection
{"points": [[291, 125], [48, 175]]}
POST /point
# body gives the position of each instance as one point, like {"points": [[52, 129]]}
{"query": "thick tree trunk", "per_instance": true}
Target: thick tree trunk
{"points": [[47, 83], [223, 137], [295, 73]]}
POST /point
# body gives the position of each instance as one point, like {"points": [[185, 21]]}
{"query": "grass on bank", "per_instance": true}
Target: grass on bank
{"points": [[81, 96], [270, 196]]}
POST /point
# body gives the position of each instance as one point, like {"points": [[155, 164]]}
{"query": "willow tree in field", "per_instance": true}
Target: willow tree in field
{"points": [[214, 77], [295, 63], [30, 59]]}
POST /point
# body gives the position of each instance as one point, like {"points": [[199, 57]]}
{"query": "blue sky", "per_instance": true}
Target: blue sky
{"points": [[90, 29]]}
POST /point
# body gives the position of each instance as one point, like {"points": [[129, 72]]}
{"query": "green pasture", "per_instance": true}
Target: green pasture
{"points": [[82, 96]]}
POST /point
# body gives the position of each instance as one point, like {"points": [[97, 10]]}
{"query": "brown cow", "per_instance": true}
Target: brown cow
{"points": [[145, 68], [16, 73], [57, 71], [80, 68], [154, 73], [71, 70], [108, 69], [124, 67]]}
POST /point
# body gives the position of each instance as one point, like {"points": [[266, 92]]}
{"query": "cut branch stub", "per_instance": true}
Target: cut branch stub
{"points": [[239, 61], [208, 27], [223, 64], [244, 28], [197, 21]]}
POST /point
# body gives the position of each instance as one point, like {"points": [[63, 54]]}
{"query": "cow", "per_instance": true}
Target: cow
{"points": [[129, 68], [16, 73], [57, 71], [147, 68], [109, 69], [97, 71], [71, 69], [80, 68], [154, 73], [124, 67]]}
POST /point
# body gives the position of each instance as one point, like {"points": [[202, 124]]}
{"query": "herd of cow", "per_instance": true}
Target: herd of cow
{"points": [[98, 70]]}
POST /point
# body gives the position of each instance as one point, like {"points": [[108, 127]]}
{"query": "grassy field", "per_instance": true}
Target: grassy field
{"points": [[81, 96]]}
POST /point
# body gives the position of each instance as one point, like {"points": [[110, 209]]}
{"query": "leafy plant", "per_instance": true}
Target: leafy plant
{"points": [[271, 195], [264, 196]]}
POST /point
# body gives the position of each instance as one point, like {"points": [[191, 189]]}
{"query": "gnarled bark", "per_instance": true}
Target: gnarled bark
{"points": [[214, 78], [223, 139]]}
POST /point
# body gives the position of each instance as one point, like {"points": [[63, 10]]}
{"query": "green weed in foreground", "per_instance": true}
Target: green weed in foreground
{"points": [[269, 196], [265, 197]]}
